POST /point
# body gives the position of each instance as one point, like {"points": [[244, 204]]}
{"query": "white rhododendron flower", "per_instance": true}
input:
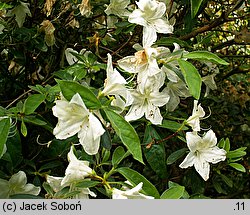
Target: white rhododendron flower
{"points": [[175, 90], [118, 8], [147, 103], [150, 14], [197, 114], [203, 150], [56, 185], [144, 63], [115, 85], [76, 170], [75, 118], [127, 193], [17, 185]]}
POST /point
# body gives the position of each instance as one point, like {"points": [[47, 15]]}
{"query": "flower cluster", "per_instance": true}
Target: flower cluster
{"points": [[203, 149]]}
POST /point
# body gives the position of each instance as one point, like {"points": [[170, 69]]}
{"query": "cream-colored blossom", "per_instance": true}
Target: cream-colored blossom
{"points": [[118, 8], [151, 15], [203, 150], [115, 86], [147, 103], [17, 185], [197, 114], [75, 118], [127, 193]]}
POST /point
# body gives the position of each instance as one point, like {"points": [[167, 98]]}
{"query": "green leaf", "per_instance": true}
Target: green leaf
{"points": [[173, 193], [185, 194], [87, 183], [176, 155], [224, 144], [50, 165], [20, 13], [204, 55], [172, 125], [24, 129], [135, 178], [106, 141], [227, 180], [195, 5], [156, 158], [77, 71], [155, 154], [126, 132], [48, 188], [238, 167], [34, 120], [70, 88], [167, 41], [32, 103], [4, 131], [240, 152], [118, 155], [192, 78], [4, 6]]}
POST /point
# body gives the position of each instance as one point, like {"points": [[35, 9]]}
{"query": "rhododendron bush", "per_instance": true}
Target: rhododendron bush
{"points": [[117, 99]]}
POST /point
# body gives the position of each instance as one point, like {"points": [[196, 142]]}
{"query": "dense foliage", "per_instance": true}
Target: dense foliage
{"points": [[82, 59]]}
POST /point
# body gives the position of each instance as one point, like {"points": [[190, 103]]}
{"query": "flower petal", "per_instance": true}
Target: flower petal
{"points": [[90, 135], [188, 161], [210, 139], [202, 167], [194, 141], [137, 17], [162, 26], [153, 114], [214, 154], [149, 36]]}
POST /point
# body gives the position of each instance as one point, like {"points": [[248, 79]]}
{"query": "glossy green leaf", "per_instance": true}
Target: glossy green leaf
{"points": [[155, 154], [205, 55], [32, 103], [24, 130], [238, 167], [172, 125], [167, 41], [195, 5], [240, 152], [227, 180], [4, 131], [87, 183], [173, 193], [34, 119], [70, 88], [156, 158], [106, 141], [224, 144], [192, 78], [176, 155], [126, 132], [135, 178], [76, 71], [118, 155]]}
